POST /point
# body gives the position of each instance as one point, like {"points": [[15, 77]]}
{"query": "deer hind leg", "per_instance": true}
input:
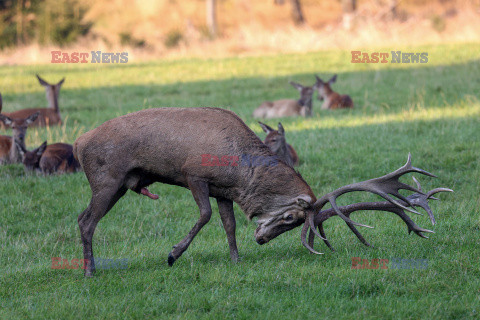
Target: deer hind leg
{"points": [[225, 208], [101, 202], [200, 192]]}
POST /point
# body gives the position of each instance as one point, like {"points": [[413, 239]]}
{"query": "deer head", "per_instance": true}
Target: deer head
{"points": [[277, 142], [324, 88], [52, 91], [306, 94], [275, 139], [31, 159], [19, 126]]}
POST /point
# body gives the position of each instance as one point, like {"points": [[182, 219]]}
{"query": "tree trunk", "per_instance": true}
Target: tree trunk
{"points": [[212, 17], [297, 13], [19, 20], [349, 7], [393, 8]]}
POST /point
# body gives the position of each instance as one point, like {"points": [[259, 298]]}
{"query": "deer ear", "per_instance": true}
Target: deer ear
{"points": [[59, 84], [8, 121], [333, 79], [42, 82], [265, 127], [40, 150], [297, 86], [304, 201], [32, 117], [280, 129]]}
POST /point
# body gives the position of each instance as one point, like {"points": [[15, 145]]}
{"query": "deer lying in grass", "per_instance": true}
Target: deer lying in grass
{"points": [[276, 141], [287, 107], [166, 145], [48, 116], [331, 99], [55, 158], [9, 152]]}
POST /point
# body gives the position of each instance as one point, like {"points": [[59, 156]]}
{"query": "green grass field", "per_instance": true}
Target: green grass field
{"points": [[431, 110]]}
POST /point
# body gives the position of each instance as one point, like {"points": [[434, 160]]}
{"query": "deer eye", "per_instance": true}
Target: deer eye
{"points": [[288, 218]]}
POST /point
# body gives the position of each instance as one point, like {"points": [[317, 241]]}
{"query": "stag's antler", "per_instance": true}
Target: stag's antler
{"points": [[382, 186]]}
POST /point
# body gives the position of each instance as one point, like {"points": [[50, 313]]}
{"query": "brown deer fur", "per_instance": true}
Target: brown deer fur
{"points": [[165, 145]]}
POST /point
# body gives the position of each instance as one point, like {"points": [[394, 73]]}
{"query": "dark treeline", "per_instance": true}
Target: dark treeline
{"points": [[56, 22]]}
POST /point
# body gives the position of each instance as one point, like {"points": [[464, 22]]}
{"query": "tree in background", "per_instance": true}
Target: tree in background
{"points": [[348, 7], [16, 22], [48, 22], [212, 17], [297, 12]]}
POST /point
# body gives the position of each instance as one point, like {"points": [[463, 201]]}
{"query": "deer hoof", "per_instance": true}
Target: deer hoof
{"points": [[171, 259]]}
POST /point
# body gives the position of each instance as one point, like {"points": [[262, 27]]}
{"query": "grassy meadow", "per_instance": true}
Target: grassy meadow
{"points": [[431, 110]]}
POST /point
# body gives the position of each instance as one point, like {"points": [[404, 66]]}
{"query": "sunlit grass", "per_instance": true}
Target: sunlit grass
{"points": [[66, 133], [462, 110]]}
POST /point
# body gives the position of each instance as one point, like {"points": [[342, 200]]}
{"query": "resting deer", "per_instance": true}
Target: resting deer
{"points": [[331, 99], [55, 158], [166, 145], [9, 152], [287, 107], [276, 141], [48, 116]]}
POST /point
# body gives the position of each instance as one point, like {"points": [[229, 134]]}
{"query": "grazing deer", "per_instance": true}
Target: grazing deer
{"points": [[287, 107], [48, 116], [166, 145], [9, 152], [276, 141], [331, 99], [54, 158]]}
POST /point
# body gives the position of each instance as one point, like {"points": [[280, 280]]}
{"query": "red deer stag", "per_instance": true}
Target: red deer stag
{"points": [[55, 158], [165, 145], [331, 99], [287, 107], [277, 142], [48, 116], [9, 152]]}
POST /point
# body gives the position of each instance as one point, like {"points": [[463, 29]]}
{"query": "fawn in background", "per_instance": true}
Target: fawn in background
{"points": [[277, 142], [330, 98], [288, 107], [47, 116]]}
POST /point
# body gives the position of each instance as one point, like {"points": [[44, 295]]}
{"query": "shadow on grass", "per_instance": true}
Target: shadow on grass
{"points": [[385, 90]]}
